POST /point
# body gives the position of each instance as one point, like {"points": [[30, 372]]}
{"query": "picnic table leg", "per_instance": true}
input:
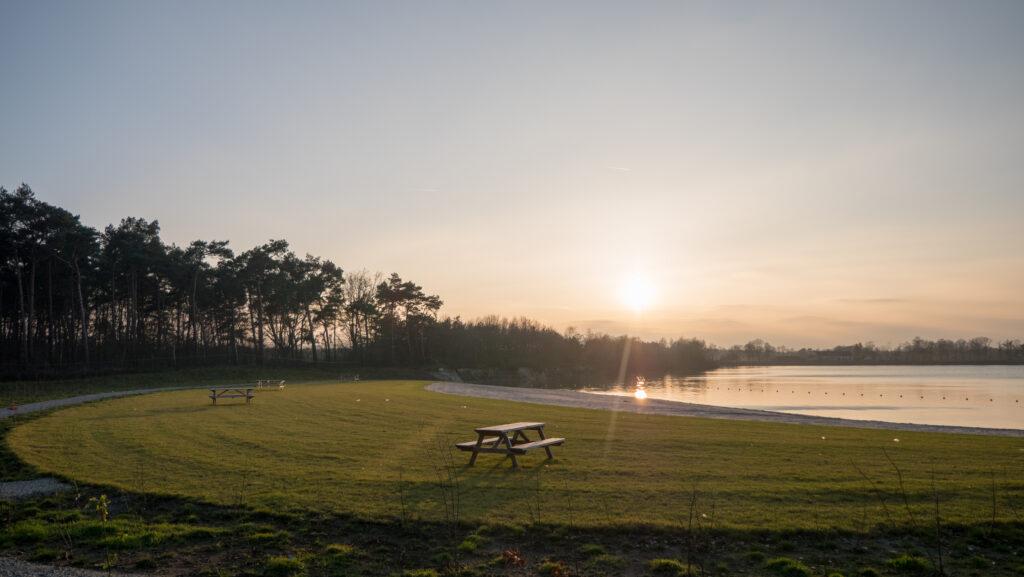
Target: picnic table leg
{"points": [[476, 448], [509, 453], [547, 449], [213, 397]]}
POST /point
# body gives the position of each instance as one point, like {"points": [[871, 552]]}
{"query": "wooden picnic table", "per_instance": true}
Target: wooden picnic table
{"points": [[233, 392], [270, 384], [510, 440]]}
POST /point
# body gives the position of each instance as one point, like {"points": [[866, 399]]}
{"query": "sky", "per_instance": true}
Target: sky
{"points": [[811, 173]]}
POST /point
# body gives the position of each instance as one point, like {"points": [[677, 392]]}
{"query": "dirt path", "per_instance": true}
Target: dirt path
{"points": [[566, 398]]}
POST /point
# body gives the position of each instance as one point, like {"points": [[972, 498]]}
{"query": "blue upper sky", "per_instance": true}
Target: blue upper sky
{"points": [[810, 172]]}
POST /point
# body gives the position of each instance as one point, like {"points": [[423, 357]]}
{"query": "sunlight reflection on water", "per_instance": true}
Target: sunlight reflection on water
{"points": [[970, 396]]}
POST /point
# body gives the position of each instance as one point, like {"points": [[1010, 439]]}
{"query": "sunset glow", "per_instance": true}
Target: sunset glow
{"points": [[637, 293], [831, 208]]}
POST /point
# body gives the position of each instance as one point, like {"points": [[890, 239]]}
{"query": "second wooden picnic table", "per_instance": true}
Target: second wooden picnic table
{"points": [[232, 391], [509, 439]]}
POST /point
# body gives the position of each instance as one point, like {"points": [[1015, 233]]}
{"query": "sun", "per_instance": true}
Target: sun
{"points": [[637, 293]]}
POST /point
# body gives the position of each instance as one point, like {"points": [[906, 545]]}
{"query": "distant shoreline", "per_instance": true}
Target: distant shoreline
{"points": [[724, 365]]}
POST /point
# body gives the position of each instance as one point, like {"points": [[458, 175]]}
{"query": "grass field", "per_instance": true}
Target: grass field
{"points": [[377, 450], [21, 392]]}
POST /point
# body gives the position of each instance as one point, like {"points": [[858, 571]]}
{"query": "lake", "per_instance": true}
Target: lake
{"points": [[970, 396]]}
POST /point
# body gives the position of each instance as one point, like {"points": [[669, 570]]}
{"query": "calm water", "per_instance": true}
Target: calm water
{"points": [[973, 396]]}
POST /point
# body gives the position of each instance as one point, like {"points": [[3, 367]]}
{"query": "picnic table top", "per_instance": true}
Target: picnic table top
{"points": [[230, 388], [510, 427]]}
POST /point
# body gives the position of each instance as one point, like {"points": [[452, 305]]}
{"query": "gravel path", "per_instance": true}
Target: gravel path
{"points": [[15, 568], [566, 398], [30, 488], [57, 403]]}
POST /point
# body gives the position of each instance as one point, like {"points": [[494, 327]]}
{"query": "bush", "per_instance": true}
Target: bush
{"points": [[87, 530], [868, 572], [553, 568], [270, 538], [44, 554], [667, 567], [340, 551], [420, 573], [909, 564], [29, 531], [788, 567], [605, 562], [592, 550], [755, 556], [979, 562], [198, 533], [283, 567], [472, 543]]}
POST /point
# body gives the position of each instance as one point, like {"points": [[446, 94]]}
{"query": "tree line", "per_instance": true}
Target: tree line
{"points": [[77, 299], [977, 350]]}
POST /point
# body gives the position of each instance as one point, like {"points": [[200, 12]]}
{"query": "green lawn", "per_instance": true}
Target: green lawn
{"points": [[377, 450], [22, 392]]}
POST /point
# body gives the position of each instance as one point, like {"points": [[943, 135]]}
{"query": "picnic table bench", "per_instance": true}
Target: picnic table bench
{"points": [[270, 384], [232, 392], [509, 440]]}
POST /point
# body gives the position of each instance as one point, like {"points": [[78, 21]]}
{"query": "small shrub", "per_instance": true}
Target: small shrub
{"points": [[63, 516], [592, 550], [979, 562], [44, 554], [110, 563], [198, 533], [472, 543], [909, 565], [516, 530], [553, 569], [420, 573], [101, 505], [270, 538], [979, 536], [90, 531], [605, 562], [667, 567], [836, 574], [442, 558], [29, 531], [146, 564], [125, 540], [340, 551], [282, 566], [755, 556], [788, 567], [868, 572]]}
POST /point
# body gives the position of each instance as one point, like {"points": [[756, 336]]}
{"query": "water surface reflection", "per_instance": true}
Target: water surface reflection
{"points": [[970, 396]]}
